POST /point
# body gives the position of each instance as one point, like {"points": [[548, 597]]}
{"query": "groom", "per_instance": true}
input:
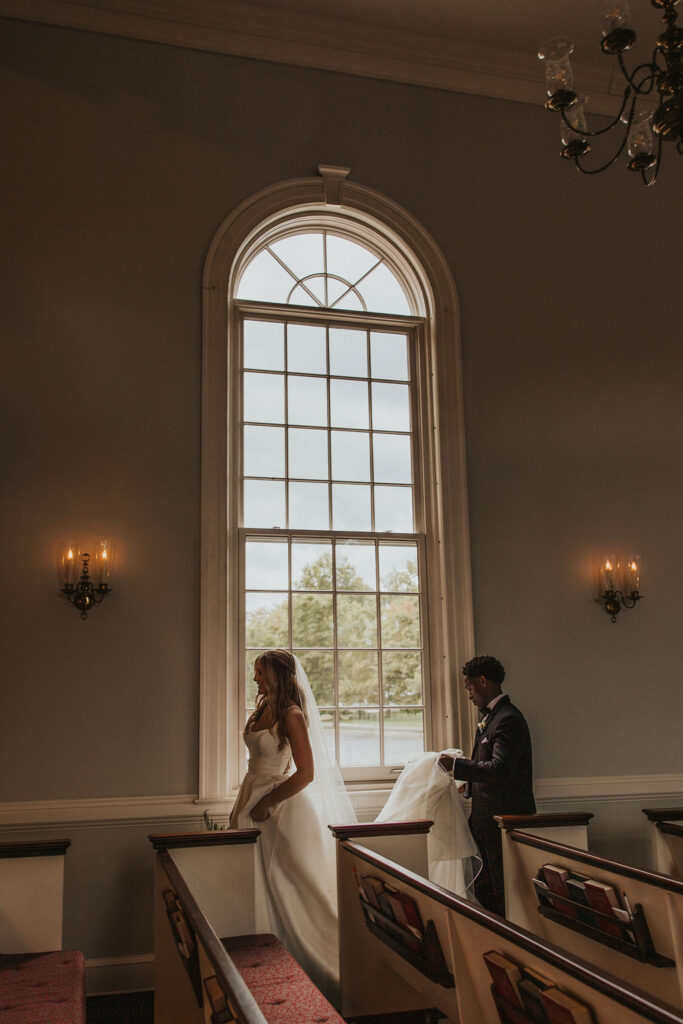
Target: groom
{"points": [[498, 777]]}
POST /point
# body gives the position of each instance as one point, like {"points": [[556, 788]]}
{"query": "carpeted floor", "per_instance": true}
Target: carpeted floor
{"points": [[123, 1008]]}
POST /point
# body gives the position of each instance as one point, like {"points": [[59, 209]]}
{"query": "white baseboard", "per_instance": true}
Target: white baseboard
{"points": [[119, 974]]}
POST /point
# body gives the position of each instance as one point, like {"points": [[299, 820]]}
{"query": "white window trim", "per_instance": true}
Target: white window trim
{"points": [[448, 582]]}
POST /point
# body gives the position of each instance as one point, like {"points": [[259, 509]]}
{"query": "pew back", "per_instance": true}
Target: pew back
{"points": [[667, 839], [31, 896], [191, 966], [646, 950], [392, 968]]}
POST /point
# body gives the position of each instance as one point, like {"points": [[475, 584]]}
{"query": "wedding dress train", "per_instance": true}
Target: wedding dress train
{"points": [[422, 791]]}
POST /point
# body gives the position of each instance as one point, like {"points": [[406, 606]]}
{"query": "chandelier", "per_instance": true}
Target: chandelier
{"points": [[660, 80]]}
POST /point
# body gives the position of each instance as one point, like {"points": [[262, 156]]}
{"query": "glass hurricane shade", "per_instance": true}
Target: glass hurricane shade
{"points": [[577, 126], [640, 139], [614, 14], [555, 54], [100, 565]]}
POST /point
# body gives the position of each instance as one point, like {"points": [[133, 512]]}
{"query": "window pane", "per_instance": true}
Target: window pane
{"points": [[265, 279], [266, 565], [303, 254], [356, 620], [319, 667], [355, 566], [329, 720], [358, 677], [307, 401], [394, 509], [349, 404], [348, 352], [264, 503], [264, 345], [390, 407], [389, 355], [309, 506], [249, 681], [308, 454], [312, 620], [398, 567], [383, 293], [350, 455], [264, 451], [264, 397], [300, 297], [316, 285], [392, 463], [312, 566], [335, 289], [350, 507], [403, 735], [358, 737], [306, 349], [266, 620], [348, 259], [400, 620], [402, 677], [349, 300]]}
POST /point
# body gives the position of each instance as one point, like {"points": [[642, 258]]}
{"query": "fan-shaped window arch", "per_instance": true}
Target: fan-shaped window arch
{"points": [[323, 269], [314, 273]]}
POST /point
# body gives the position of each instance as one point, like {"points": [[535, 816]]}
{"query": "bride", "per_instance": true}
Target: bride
{"points": [[296, 889]]}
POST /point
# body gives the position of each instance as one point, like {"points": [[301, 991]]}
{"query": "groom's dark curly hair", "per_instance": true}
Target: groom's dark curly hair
{"points": [[485, 665]]}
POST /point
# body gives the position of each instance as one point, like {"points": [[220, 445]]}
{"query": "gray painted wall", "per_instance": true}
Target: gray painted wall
{"points": [[121, 160]]}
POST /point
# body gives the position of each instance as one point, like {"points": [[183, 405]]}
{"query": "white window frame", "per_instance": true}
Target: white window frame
{"points": [[438, 392]]}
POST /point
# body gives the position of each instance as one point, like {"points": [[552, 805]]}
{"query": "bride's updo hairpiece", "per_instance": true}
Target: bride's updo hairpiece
{"points": [[280, 667]]}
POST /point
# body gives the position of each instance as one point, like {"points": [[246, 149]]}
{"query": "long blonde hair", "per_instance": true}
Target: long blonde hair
{"points": [[279, 667]]}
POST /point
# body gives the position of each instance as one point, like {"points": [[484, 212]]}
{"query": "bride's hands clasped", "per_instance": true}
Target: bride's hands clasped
{"points": [[262, 810]]}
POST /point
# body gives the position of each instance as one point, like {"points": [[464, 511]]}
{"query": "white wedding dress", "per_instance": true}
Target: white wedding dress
{"points": [[424, 791], [297, 890]]}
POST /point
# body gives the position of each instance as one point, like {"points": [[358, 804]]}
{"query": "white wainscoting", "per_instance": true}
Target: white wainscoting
{"points": [[185, 809]]}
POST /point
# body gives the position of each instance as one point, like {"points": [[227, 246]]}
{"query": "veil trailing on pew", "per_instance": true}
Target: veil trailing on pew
{"points": [[327, 789]]}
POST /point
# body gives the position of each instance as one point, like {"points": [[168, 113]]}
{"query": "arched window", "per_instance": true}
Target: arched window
{"points": [[334, 529]]}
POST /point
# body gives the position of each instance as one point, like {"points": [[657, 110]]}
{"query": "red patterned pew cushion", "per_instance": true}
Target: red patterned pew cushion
{"points": [[42, 988], [284, 992]]}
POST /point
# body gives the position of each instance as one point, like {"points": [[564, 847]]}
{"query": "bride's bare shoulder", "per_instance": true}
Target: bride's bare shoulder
{"points": [[294, 711]]}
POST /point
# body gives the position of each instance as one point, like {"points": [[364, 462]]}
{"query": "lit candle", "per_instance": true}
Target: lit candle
{"points": [[633, 567], [609, 569], [70, 563]]}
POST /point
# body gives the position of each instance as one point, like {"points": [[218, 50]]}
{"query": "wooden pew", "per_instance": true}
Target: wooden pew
{"points": [[645, 949], [210, 966], [39, 982], [205, 893], [667, 839], [388, 967], [31, 895]]}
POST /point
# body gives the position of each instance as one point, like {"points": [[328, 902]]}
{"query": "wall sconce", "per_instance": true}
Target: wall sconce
{"points": [[86, 591], [620, 583]]}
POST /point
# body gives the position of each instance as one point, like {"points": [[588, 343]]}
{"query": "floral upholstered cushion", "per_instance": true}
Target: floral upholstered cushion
{"points": [[42, 988], [284, 992]]}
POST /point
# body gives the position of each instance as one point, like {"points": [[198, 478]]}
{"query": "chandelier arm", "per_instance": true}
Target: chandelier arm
{"points": [[601, 131], [597, 170], [640, 87]]}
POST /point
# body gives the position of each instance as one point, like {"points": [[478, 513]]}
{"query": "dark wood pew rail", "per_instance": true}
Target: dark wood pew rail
{"points": [[228, 977], [633, 999], [37, 848]]}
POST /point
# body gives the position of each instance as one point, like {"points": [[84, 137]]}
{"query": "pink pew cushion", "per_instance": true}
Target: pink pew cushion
{"points": [[284, 992], [42, 988]]}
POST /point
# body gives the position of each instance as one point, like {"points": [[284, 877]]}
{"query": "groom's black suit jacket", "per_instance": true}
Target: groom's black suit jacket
{"points": [[499, 778]]}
